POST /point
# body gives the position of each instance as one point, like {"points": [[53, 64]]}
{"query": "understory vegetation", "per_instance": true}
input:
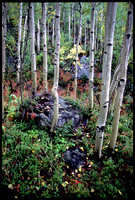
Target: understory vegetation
{"points": [[33, 162]]}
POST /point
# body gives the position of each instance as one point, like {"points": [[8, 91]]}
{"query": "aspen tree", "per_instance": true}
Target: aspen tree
{"points": [[32, 50], [24, 52], [106, 75], [38, 36], [85, 34], [91, 67], [77, 46], [25, 29], [69, 24], [53, 30], [4, 16], [44, 47], [56, 67], [19, 45], [123, 77]]}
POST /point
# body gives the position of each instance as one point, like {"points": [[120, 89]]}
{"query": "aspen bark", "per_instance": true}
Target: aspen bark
{"points": [[91, 67], [4, 15], [85, 34], [77, 46], [19, 45], [25, 29], [44, 47], [101, 42], [53, 30], [69, 24], [23, 54], [56, 68], [38, 36], [106, 75], [32, 50], [123, 77]]}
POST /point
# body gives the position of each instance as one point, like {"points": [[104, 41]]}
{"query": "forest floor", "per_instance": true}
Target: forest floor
{"points": [[32, 162]]}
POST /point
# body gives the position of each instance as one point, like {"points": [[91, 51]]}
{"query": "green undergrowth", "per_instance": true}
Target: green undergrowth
{"points": [[33, 166]]}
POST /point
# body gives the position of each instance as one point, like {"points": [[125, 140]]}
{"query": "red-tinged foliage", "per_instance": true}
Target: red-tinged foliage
{"points": [[76, 182], [65, 76], [33, 115]]}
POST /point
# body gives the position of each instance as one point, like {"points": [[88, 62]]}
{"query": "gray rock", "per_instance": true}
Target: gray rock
{"points": [[74, 157]]}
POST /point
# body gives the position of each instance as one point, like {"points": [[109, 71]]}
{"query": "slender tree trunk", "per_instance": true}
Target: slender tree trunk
{"points": [[85, 35], [77, 46], [101, 42], [44, 47], [24, 31], [24, 52], [53, 30], [106, 75], [123, 77], [38, 36], [74, 28], [4, 16], [32, 50], [19, 45], [69, 24], [56, 68], [91, 67]]}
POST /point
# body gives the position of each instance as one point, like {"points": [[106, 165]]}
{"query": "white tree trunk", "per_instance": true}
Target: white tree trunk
{"points": [[69, 24], [25, 29], [19, 45], [53, 30], [4, 13], [38, 36], [77, 46], [123, 77], [56, 68], [44, 47], [91, 67], [106, 75], [32, 50], [85, 34]]}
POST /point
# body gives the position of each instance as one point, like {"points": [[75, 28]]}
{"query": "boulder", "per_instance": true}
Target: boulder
{"points": [[43, 109], [75, 157]]}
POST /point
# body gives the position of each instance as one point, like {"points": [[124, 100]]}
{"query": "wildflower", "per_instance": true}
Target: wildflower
{"points": [[10, 186], [63, 174], [116, 150], [67, 166], [42, 183], [79, 175], [33, 151], [16, 197], [67, 147], [82, 148], [76, 170], [80, 168], [92, 190], [66, 182], [91, 163]]}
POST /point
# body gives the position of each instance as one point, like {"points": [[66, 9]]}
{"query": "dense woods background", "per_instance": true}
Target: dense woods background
{"points": [[73, 62]]}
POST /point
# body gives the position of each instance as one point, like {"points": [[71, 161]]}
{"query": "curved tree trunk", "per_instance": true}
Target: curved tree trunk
{"points": [[19, 45], [44, 48], [4, 15], [106, 75], [56, 68], [123, 77], [91, 67], [32, 50]]}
